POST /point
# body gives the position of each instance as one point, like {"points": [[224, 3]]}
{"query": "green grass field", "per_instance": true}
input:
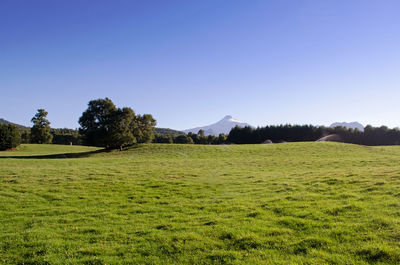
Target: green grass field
{"points": [[294, 203]]}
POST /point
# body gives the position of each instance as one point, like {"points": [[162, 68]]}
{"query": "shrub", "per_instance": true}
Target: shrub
{"points": [[183, 139]]}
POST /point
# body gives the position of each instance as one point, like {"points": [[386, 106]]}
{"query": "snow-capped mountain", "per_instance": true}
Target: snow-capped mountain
{"points": [[223, 126], [349, 125]]}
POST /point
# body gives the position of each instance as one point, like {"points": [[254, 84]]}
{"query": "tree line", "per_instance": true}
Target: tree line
{"points": [[190, 138], [103, 124], [371, 136]]}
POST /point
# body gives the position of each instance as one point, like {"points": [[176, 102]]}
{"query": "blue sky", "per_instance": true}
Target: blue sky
{"points": [[190, 63]]}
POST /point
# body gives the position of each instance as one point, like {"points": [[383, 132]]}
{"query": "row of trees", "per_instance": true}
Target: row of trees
{"points": [[58, 136], [298, 133], [105, 125], [66, 136], [287, 133], [11, 136], [371, 136], [190, 138]]}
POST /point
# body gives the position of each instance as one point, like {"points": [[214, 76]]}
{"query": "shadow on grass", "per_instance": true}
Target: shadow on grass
{"points": [[60, 156]]}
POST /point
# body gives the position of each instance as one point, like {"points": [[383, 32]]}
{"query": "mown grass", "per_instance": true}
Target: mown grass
{"points": [[294, 203]]}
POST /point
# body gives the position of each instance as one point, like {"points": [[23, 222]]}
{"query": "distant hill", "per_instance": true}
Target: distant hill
{"points": [[223, 126], [167, 131], [21, 127], [349, 125]]}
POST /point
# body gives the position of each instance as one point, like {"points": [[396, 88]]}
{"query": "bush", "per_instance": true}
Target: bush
{"points": [[9, 136], [183, 139], [163, 139]]}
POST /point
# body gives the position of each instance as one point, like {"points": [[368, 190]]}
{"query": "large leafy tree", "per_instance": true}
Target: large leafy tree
{"points": [[122, 128], [9, 136], [103, 124], [145, 128], [96, 122], [40, 131]]}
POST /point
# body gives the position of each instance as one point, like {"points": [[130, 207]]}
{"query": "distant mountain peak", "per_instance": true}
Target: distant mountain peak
{"points": [[348, 125], [223, 126], [229, 118]]}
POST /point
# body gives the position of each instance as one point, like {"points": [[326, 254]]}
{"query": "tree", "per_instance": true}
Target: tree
{"points": [[221, 138], [40, 131], [9, 136], [121, 128], [195, 137], [26, 137], [239, 135], [102, 124], [95, 122], [145, 128], [200, 133]]}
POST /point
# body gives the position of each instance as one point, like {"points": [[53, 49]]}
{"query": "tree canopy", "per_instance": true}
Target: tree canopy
{"points": [[299, 133], [9, 136], [103, 124], [40, 131]]}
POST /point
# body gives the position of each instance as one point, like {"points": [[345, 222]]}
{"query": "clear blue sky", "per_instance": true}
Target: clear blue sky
{"points": [[189, 63]]}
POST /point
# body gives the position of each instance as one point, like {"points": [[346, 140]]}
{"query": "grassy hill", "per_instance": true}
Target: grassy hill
{"points": [[294, 203]]}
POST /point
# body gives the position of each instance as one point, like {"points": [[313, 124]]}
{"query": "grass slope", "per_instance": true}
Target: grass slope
{"points": [[297, 203]]}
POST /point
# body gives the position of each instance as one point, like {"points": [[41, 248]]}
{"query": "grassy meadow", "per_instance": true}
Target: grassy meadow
{"points": [[291, 203]]}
